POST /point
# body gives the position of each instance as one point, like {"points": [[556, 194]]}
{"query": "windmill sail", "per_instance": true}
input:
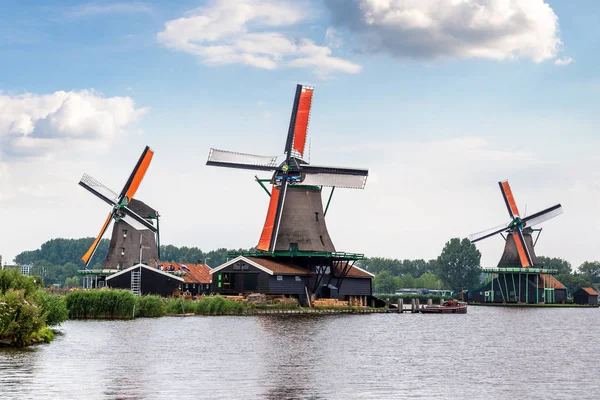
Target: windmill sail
{"points": [[296, 139]]}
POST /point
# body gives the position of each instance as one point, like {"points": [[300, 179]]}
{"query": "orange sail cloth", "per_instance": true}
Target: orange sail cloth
{"points": [[521, 250], [139, 174], [88, 254], [267, 232], [302, 116], [510, 198]]}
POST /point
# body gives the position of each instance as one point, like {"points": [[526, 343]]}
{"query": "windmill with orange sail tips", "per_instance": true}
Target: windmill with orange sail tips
{"points": [[518, 275], [133, 229], [294, 238], [293, 172]]}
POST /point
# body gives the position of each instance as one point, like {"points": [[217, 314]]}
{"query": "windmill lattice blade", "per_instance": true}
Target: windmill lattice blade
{"points": [[136, 221], [543, 216], [137, 175], [524, 255], [296, 139], [489, 232], [98, 189], [232, 157], [336, 180], [322, 169], [509, 199], [90, 253]]}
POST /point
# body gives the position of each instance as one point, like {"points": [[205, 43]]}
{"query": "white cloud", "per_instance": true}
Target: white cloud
{"points": [[493, 29], [110, 8], [564, 61], [244, 32], [35, 125]]}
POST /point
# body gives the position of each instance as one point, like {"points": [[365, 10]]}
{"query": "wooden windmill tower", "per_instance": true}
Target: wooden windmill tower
{"points": [[519, 277], [134, 235], [294, 231]]}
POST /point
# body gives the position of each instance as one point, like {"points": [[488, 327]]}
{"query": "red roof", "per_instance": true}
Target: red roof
{"points": [[194, 273], [590, 291]]}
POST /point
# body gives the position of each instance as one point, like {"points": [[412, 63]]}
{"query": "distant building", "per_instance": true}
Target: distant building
{"points": [[25, 268], [585, 295], [197, 278]]}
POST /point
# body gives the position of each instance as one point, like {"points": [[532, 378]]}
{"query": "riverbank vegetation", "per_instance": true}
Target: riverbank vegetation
{"points": [[26, 312]]}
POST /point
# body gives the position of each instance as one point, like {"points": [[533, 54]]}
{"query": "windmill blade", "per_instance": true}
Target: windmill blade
{"points": [[335, 180], [322, 169], [489, 232], [277, 222], [231, 159], [543, 216], [98, 189], [264, 243], [136, 221], [509, 199], [522, 249], [90, 253], [137, 175], [296, 139]]}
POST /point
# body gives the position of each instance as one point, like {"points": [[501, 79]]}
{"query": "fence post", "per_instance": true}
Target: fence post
{"points": [[400, 305]]}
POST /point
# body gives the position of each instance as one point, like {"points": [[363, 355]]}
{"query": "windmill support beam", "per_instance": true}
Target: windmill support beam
{"points": [[262, 185], [329, 201]]}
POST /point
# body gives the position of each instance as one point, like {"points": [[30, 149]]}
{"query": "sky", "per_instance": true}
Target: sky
{"points": [[439, 99]]}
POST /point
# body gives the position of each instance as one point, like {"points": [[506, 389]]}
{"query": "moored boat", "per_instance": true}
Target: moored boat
{"points": [[448, 307]]}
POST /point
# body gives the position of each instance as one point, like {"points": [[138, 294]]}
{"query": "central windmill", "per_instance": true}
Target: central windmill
{"points": [[518, 274], [294, 231], [134, 236]]}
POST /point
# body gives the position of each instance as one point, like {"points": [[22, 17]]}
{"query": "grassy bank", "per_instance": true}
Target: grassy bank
{"points": [[122, 304], [26, 312]]}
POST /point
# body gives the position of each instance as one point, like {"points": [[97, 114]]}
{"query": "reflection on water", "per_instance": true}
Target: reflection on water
{"points": [[489, 353]]}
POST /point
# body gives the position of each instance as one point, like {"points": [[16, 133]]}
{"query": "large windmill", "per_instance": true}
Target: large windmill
{"points": [[294, 232], [295, 214], [519, 264], [133, 237]]}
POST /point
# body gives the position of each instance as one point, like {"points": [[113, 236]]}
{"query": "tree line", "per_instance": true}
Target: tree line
{"points": [[58, 260]]}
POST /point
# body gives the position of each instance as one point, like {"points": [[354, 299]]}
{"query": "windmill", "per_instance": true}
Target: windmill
{"points": [[295, 217], [517, 277], [132, 218], [519, 241]]}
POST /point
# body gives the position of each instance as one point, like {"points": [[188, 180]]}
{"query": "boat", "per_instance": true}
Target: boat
{"points": [[447, 307]]}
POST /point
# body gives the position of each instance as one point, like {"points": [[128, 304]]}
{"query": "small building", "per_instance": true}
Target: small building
{"points": [[275, 277], [142, 279], [585, 295], [197, 277]]}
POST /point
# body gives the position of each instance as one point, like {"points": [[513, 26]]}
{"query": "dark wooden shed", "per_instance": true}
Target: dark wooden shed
{"points": [[585, 295], [142, 279]]}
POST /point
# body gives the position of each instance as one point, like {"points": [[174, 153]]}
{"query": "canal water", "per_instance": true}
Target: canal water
{"points": [[489, 353]]}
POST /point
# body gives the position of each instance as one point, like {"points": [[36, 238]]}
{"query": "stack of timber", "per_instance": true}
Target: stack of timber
{"points": [[330, 303]]}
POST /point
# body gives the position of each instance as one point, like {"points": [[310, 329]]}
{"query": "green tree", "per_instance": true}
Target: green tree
{"points": [[591, 270], [385, 283], [563, 266], [459, 264], [429, 281], [407, 281], [72, 282]]}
